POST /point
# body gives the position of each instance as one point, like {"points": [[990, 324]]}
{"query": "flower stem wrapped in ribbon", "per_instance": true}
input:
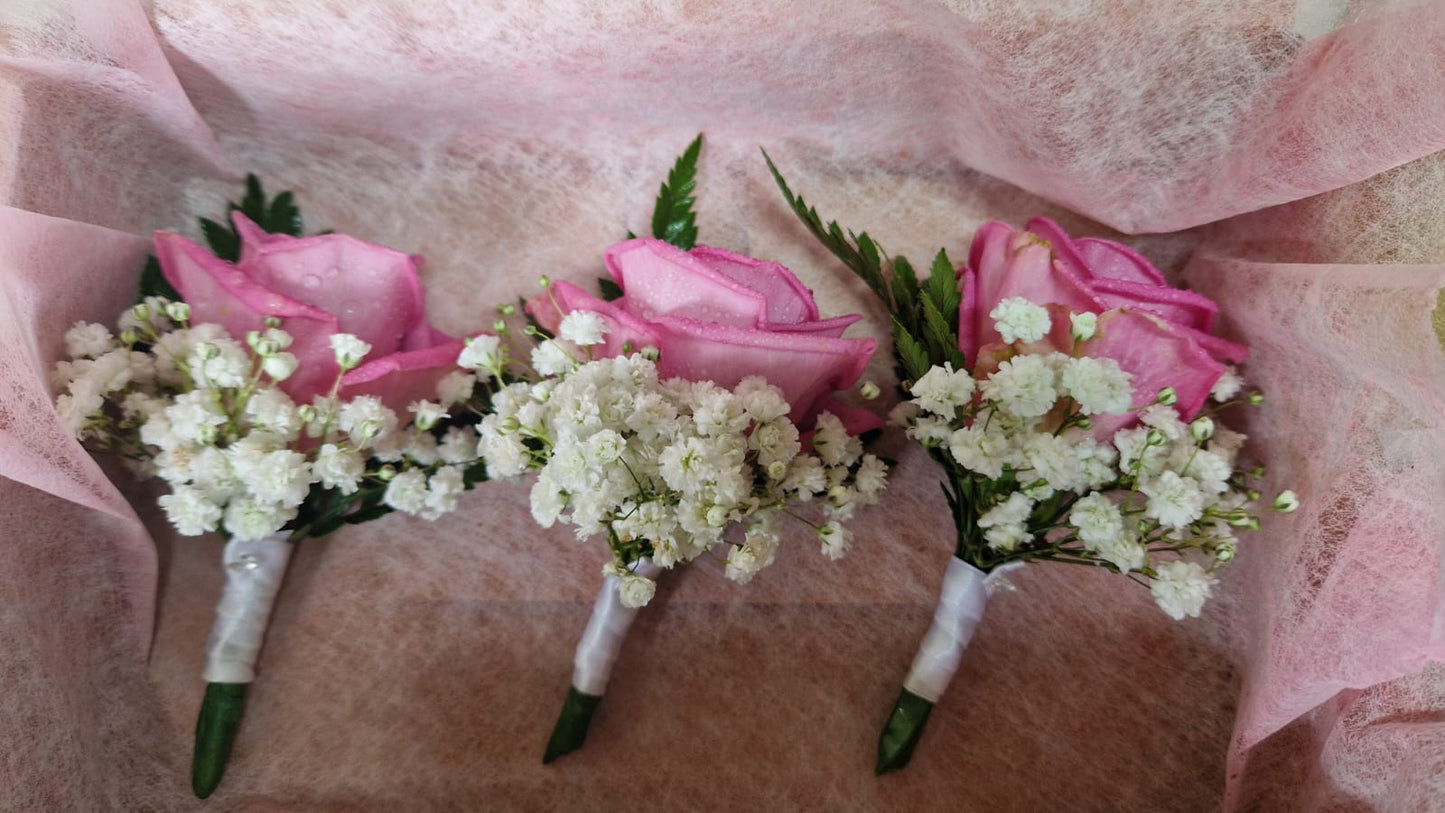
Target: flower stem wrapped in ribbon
{"points": [[282, 396], [1063, 386], [690, 412]]}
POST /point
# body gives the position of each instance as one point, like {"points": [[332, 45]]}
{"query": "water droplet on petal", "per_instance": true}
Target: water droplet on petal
{"points": [[312, 281]]}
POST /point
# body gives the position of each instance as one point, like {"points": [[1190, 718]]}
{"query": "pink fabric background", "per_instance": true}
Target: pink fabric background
{"points": [[1282, 156]]}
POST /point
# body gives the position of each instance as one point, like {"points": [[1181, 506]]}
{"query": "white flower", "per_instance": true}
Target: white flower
{"points": [[282, 477], [871, 478], [1165, 420], [1227, 386], [456, 388], [1123, 553], [194, 416], [1083, 326], [210, 471], [188, 509], [1023, 386], [1054, 459], [1098, 520], [273, 410], [1174, 501], [426, 414], [1208, 469], [349, 350], [832, 442], [407, 492], [1180, 588], [836, 539], [506, 455], [1096, 462], [1007, 537], [941, 390], [980, 450], [775, 442], [366, 420], [1018, 319], [459, 445], [1098, 385], [75, 411], [247, 519], [547, 500], [635, 590], [1136, 455], [279, 366], [1013, 511], [583, 327], [444, 490], [338, 469], [87, 340], [806, 477], [481, 353], [762, 401], [219, 363], [551, 358], [716, 411]]}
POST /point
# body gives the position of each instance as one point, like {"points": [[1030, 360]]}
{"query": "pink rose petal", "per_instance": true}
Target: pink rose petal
{"points": [[1110, 260], [805, 367], [399, 379], [661, 279], [373, 291], [1174, 304], [220, 293], [787, 300], [823, 327], [1157, 354], [625, 332]]}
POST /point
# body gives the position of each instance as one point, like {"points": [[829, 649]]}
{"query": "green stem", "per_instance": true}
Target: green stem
{"points": [[902, 732], [216, 728], [571, 730]]}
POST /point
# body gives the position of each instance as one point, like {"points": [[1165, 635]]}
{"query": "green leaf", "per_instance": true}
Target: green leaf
{"points": [[571, 730], [224, 241], [153, 282], [905, 292], [943, 287], [673, 219], [902, 732], [609, 288], [910, 353], [216, 727], [284, 217], [941, 337]]}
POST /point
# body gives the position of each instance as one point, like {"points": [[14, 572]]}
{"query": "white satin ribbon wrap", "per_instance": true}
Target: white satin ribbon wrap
{"points": [[602, 640], [961, 603], [254, 570]]}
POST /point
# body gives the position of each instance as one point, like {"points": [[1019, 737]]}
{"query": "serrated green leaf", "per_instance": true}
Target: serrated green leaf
{"points": [[673, 219], [941, 337], [223, 240], [609, 289], [910, 352], [905, 292], [283, 217], [943, 287], [153, 282], [253, 205]]}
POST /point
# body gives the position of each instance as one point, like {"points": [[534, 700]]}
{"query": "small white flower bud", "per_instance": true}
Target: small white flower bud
{"points": [[1286, 503], [1084, 423], [717, 516], [1202, 428], [1224, 553], [506, 310], [280, 366], [869, 391], [271, 321], [1084, 325], [141, 312], [1256, 398], [545, 281], [128, 336], [777, 469], [1167, 397], [651, 353], [306, 412], [1154, 438], [349, 350], [499, 327], [178, 311], [207, 351], [386, 474]]}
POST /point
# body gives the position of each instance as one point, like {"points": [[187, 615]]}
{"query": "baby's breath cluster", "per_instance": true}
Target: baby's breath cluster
{"points": [[664, 469], [205, 412], [1161, 500]]}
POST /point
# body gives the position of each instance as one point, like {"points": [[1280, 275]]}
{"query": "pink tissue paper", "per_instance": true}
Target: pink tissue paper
{"points": [[1282, 157]]}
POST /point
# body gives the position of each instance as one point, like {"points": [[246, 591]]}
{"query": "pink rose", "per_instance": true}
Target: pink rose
{"points": [[1157, 333], [319, 286], [719, 316]]}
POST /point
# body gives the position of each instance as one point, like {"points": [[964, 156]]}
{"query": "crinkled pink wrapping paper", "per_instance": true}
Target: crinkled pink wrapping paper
{"points": [[419, 666]]}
